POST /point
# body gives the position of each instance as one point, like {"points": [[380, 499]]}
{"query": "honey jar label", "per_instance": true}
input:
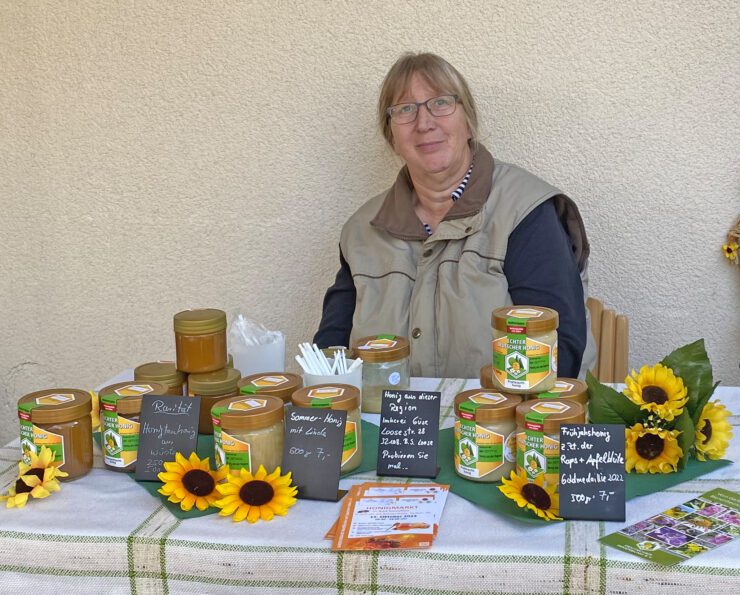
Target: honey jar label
{"points": [[269, 381], [134, 390], [520, 362], [325, 392], [247, 404], [537, 453], [380, 342], [478, 451], [562, 387], [120, 434], [350, 441], [34, 437], [487, 398], [231, 451]]}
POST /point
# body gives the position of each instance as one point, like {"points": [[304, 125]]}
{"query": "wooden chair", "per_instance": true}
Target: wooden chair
{"points": [[611, 333]]}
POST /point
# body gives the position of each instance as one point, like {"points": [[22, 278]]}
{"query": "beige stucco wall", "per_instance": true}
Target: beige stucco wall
{"points": [[156, 156]]}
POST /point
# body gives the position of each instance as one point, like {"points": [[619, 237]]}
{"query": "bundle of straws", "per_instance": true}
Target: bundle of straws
{"points": [[315, 362]]}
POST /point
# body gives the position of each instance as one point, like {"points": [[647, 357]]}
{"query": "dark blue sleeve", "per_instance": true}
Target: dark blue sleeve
{"points": [[541, 270], [339, 307]]}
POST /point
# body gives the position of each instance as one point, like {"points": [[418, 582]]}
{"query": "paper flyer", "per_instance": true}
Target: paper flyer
{"points": [[682, 532]]}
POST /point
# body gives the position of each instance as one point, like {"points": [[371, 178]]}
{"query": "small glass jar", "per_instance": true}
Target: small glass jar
{"points": [[248, 431], [164, 372], [211, 388], [341, 397], [58, 418], [525, 348], [120, 412], [276, 384], [568, 389], [486, 377], [386, 366], [538, 436], [200, 340], [485, 434]]}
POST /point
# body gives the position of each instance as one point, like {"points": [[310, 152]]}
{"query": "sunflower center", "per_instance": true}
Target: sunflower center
{"points": [[649, 446], [707, 431], [256, 492], [198, 482], [20, 485], [536, 495], [654, 394]]}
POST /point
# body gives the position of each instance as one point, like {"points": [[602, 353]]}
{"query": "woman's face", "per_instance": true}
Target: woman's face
{"points": [[429, 144]]}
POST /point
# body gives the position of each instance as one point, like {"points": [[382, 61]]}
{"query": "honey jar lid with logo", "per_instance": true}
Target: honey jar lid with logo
{"points": [[486, 405], [555, 412], [538, 319], [248, 412], [567, 389], [343, 397], [376, 349], [277, 384], [56, 405], [128, 394]]}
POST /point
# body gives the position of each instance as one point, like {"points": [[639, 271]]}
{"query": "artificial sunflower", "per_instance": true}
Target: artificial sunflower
{"points": [[191, 482], [713, 432], [652, 450], [258, 496], [543, 501], [658, 390], [730, 251], [37, 480]]}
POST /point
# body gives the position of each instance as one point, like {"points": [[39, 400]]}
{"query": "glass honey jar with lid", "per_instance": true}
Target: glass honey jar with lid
{"points": [[163, 372], [340, 397], [58, 418], [120, 412], [276, 384], [248, 431], [386, 366], [211, 388], [525, 348], [200, 340], [485, 434]]}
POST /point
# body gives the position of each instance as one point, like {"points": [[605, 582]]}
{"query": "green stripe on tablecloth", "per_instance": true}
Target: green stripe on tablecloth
{"points": [[340, 573], [457, 385], [567, 558], [130, 548], [602, 561], [163, 554], [62, 538]]}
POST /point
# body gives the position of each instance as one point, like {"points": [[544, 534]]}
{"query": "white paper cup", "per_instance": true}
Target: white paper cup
{"points": [[354, 378]]}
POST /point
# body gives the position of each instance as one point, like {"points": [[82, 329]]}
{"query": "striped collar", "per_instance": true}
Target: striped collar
{"points": [[397, 216]]}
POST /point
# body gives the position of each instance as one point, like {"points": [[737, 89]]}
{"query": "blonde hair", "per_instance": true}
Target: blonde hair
{"points": [[439, 74]]}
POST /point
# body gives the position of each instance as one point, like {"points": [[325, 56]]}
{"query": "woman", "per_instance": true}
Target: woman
{"points": [[457, 235]]}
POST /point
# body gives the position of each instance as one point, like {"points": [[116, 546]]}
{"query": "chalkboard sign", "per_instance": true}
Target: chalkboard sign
{"points": [[592, 472], [168, 425], [409, 429], [314, 439]]}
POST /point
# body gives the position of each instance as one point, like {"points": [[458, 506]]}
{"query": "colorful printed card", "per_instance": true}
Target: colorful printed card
{"points": [[682, 532]]}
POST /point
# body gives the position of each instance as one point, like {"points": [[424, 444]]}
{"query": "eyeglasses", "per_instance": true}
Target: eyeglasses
{"points": [[405, 113]]}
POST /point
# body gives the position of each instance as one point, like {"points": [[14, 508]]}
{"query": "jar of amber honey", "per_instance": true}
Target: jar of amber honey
{"points": [[200, 340]]}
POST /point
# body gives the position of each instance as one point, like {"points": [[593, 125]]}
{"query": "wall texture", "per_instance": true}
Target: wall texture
{"points": [[157, 156]]}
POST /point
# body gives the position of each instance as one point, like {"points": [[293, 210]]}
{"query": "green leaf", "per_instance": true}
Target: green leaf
{"points": [[686, 438], [702, 402], [607, 406], [691, 363]]}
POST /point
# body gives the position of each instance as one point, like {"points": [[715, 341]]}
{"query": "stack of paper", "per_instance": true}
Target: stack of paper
{"points": [[380, 516]]}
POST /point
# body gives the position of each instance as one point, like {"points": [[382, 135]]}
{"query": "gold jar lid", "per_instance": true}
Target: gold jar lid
{"points": [[343, 397], [130, 393], [486, 376], [277, 384], [486, 406], [377, 349], [538, 319], [55, 405], [248, 412], [558, 412], [160, 371], [567, 389], [220, 382], [203, 321]]}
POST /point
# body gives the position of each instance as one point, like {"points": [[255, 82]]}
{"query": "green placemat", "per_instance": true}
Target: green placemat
{"points": [[205, 449], [490, 497]]}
